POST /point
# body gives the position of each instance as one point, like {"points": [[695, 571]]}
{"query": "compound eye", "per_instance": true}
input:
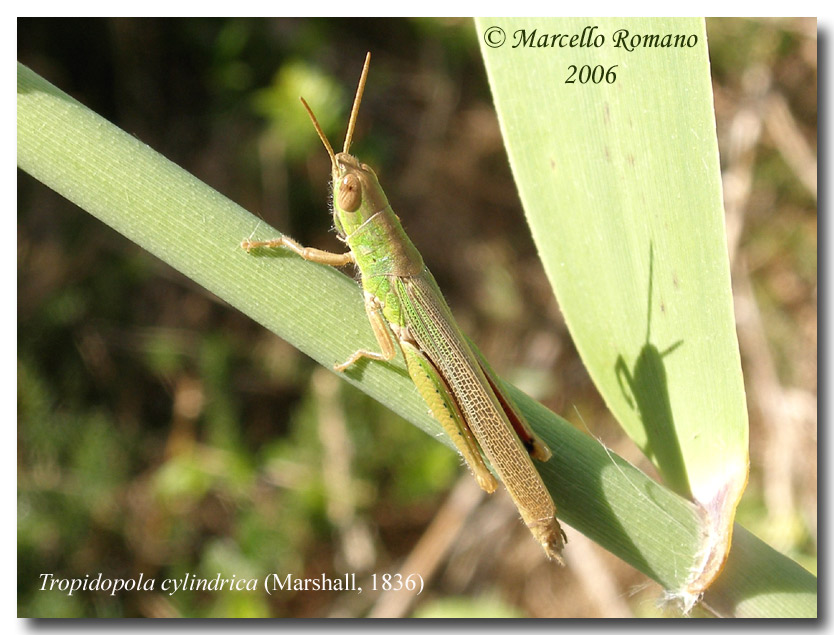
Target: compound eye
{"points": [[350, 193]]}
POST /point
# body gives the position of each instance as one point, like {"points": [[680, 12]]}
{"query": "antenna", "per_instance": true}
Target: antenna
{"points": [[321, 134], [356, 101]]}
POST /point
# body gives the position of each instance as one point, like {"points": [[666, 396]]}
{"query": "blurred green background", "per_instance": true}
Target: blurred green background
{"points": [[162, 433]]}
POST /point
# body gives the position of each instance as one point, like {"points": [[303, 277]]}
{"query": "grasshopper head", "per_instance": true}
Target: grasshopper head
{"points": [[357, 194]]}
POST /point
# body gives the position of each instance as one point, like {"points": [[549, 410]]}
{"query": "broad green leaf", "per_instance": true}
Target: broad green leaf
{"points": [[619, 177]]}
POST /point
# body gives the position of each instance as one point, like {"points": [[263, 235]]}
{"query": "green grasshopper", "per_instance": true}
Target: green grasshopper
{"points": [[405, 307]]}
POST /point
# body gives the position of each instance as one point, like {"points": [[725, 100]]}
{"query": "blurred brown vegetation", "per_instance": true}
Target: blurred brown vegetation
{"points": [[161, 433]]}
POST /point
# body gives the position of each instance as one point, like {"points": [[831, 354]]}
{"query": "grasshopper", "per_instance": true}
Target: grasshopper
{"points": [[406, 310]]}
